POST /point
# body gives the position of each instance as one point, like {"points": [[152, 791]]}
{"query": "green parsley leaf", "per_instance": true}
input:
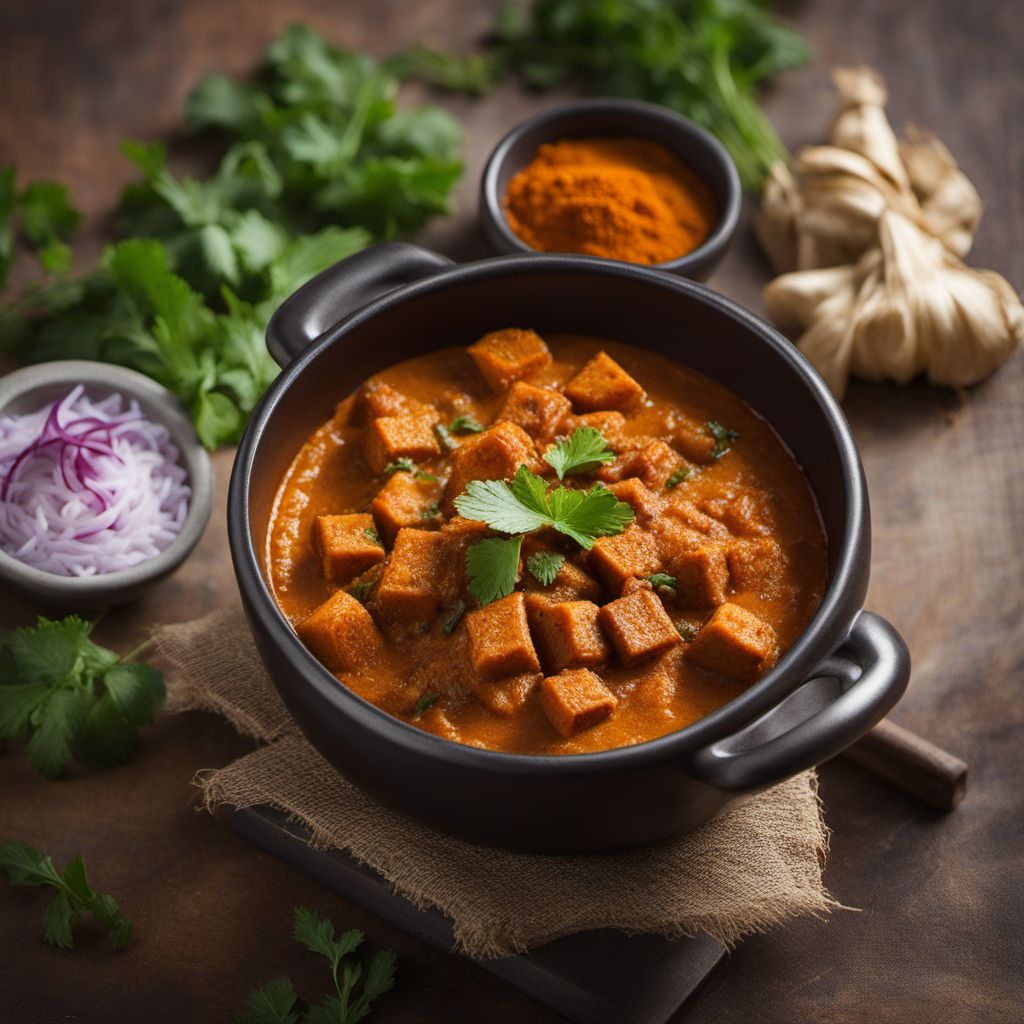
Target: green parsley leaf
{"points": [[492, 566], [723, 435], [584, 451], [425, 703], [274, 1003], [495, 503], [662, 581], [73, 897], [66, 694], [453, 618], [544, 566], [465, 425], [680, 476], [406, 465]]}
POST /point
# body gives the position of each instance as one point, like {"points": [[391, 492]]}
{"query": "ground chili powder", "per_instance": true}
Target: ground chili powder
{"points": [[620, 198]]}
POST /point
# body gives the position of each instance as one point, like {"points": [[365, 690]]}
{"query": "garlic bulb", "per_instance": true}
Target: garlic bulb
{"points": [[871, 229], [907, 307]]}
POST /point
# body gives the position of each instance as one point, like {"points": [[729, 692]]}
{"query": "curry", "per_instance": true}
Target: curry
{"points": [[546, 546]]}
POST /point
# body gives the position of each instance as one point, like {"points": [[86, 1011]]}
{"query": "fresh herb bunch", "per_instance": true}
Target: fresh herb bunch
{"points": [[278, 1003], [703, 58], [316, 162], [68, 694], [25, 865]]}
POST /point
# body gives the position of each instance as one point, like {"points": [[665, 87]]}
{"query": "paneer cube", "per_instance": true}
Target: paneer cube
{"points": [[603, 384], [634, 552], [746, 512], [646, 504], [411, 587], [506, 696], [756, 565], [609, 423], [389, 438], [375, 398], [692, 438], [683, 510], [576, 700], [638, 626], [539, 411], [654, 463], [566, 633], [405, 501], [702, 575], [340, 633], [496, 454], [348, 545], [509, 355], [734, 642], [571, 584], [499, 639]]}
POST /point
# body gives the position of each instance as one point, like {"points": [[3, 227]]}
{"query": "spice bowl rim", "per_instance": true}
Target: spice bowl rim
{"points": [[161, 406], [698, 262]]}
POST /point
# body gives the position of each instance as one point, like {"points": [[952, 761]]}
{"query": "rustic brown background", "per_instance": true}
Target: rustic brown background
{"points": [[938, 936]]}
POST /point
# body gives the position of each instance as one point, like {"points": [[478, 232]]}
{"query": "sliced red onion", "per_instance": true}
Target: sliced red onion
{"points": [[88, 487]]}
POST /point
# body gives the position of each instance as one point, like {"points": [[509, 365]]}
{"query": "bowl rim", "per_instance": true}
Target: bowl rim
{"points": [[828, 627], [728, 217], [158, 404]]}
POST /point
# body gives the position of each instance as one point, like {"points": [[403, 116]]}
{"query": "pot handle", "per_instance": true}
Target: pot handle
{"points": [[848, 693], [337, 292]]}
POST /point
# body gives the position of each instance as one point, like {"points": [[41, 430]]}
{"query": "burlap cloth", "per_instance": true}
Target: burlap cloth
{"points": [[753, 867]]}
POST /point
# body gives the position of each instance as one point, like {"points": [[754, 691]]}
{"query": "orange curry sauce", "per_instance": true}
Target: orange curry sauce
{"points": [[599, 658]]}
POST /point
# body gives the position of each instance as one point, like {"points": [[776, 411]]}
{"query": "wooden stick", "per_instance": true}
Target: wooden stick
{"points": [[912, 763]]}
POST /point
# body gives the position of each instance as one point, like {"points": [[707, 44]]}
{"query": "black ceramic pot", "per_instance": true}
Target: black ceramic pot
{"points": [[844, 673]]}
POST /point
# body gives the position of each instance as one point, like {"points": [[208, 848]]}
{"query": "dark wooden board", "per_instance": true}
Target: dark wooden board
{"points": [[598, 977], [940, 935]]}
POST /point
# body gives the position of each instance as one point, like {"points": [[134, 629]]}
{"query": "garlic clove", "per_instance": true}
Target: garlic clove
{"points": [[776, 225], [861, 124], [950, 204]]}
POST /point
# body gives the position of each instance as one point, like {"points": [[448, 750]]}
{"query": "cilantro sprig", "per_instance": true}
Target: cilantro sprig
{"points": [[73, 895], [277, 1002], [584, 451], [406, 465], [68, 694], [544, 566], [525, 506]]}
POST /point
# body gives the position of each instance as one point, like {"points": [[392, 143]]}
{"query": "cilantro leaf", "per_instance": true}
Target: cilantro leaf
{"points": [[406, 465], [316, 933], [584, 451], [724, 437], [465, 425], [274, 1003], [502, 507], [586, 515], [544, 566], [67, 693], [662, 581], [74, 896], [444, 439], [425, 703], [678, 477], [492, 566], [453, 618]]}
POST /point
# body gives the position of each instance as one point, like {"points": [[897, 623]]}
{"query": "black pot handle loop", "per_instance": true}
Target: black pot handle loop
{"points": [[337, 292], [850, 692]]}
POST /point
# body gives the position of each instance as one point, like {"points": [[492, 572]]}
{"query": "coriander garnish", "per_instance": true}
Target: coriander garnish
{"points": [[404, 465], [681, 475], [662, 581], [444, 438], [24, 865], [465, 425], [453, 618], [371, 535], [431, 511], [584, 451], [687, 631], [544, 566], [425, 703], [724, 437]]}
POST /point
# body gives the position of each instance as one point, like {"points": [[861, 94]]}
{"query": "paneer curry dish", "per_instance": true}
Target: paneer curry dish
{"points": [[546, 545]]}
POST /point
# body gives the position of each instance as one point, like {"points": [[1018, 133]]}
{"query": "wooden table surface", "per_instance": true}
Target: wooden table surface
{"points": [[937, 933]]}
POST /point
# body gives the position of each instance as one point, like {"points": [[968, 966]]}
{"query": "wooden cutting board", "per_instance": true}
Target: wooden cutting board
{"points": [[597, 977]]}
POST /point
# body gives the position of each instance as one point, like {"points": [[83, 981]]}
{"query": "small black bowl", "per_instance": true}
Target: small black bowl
{"points": [[696, 148]]}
